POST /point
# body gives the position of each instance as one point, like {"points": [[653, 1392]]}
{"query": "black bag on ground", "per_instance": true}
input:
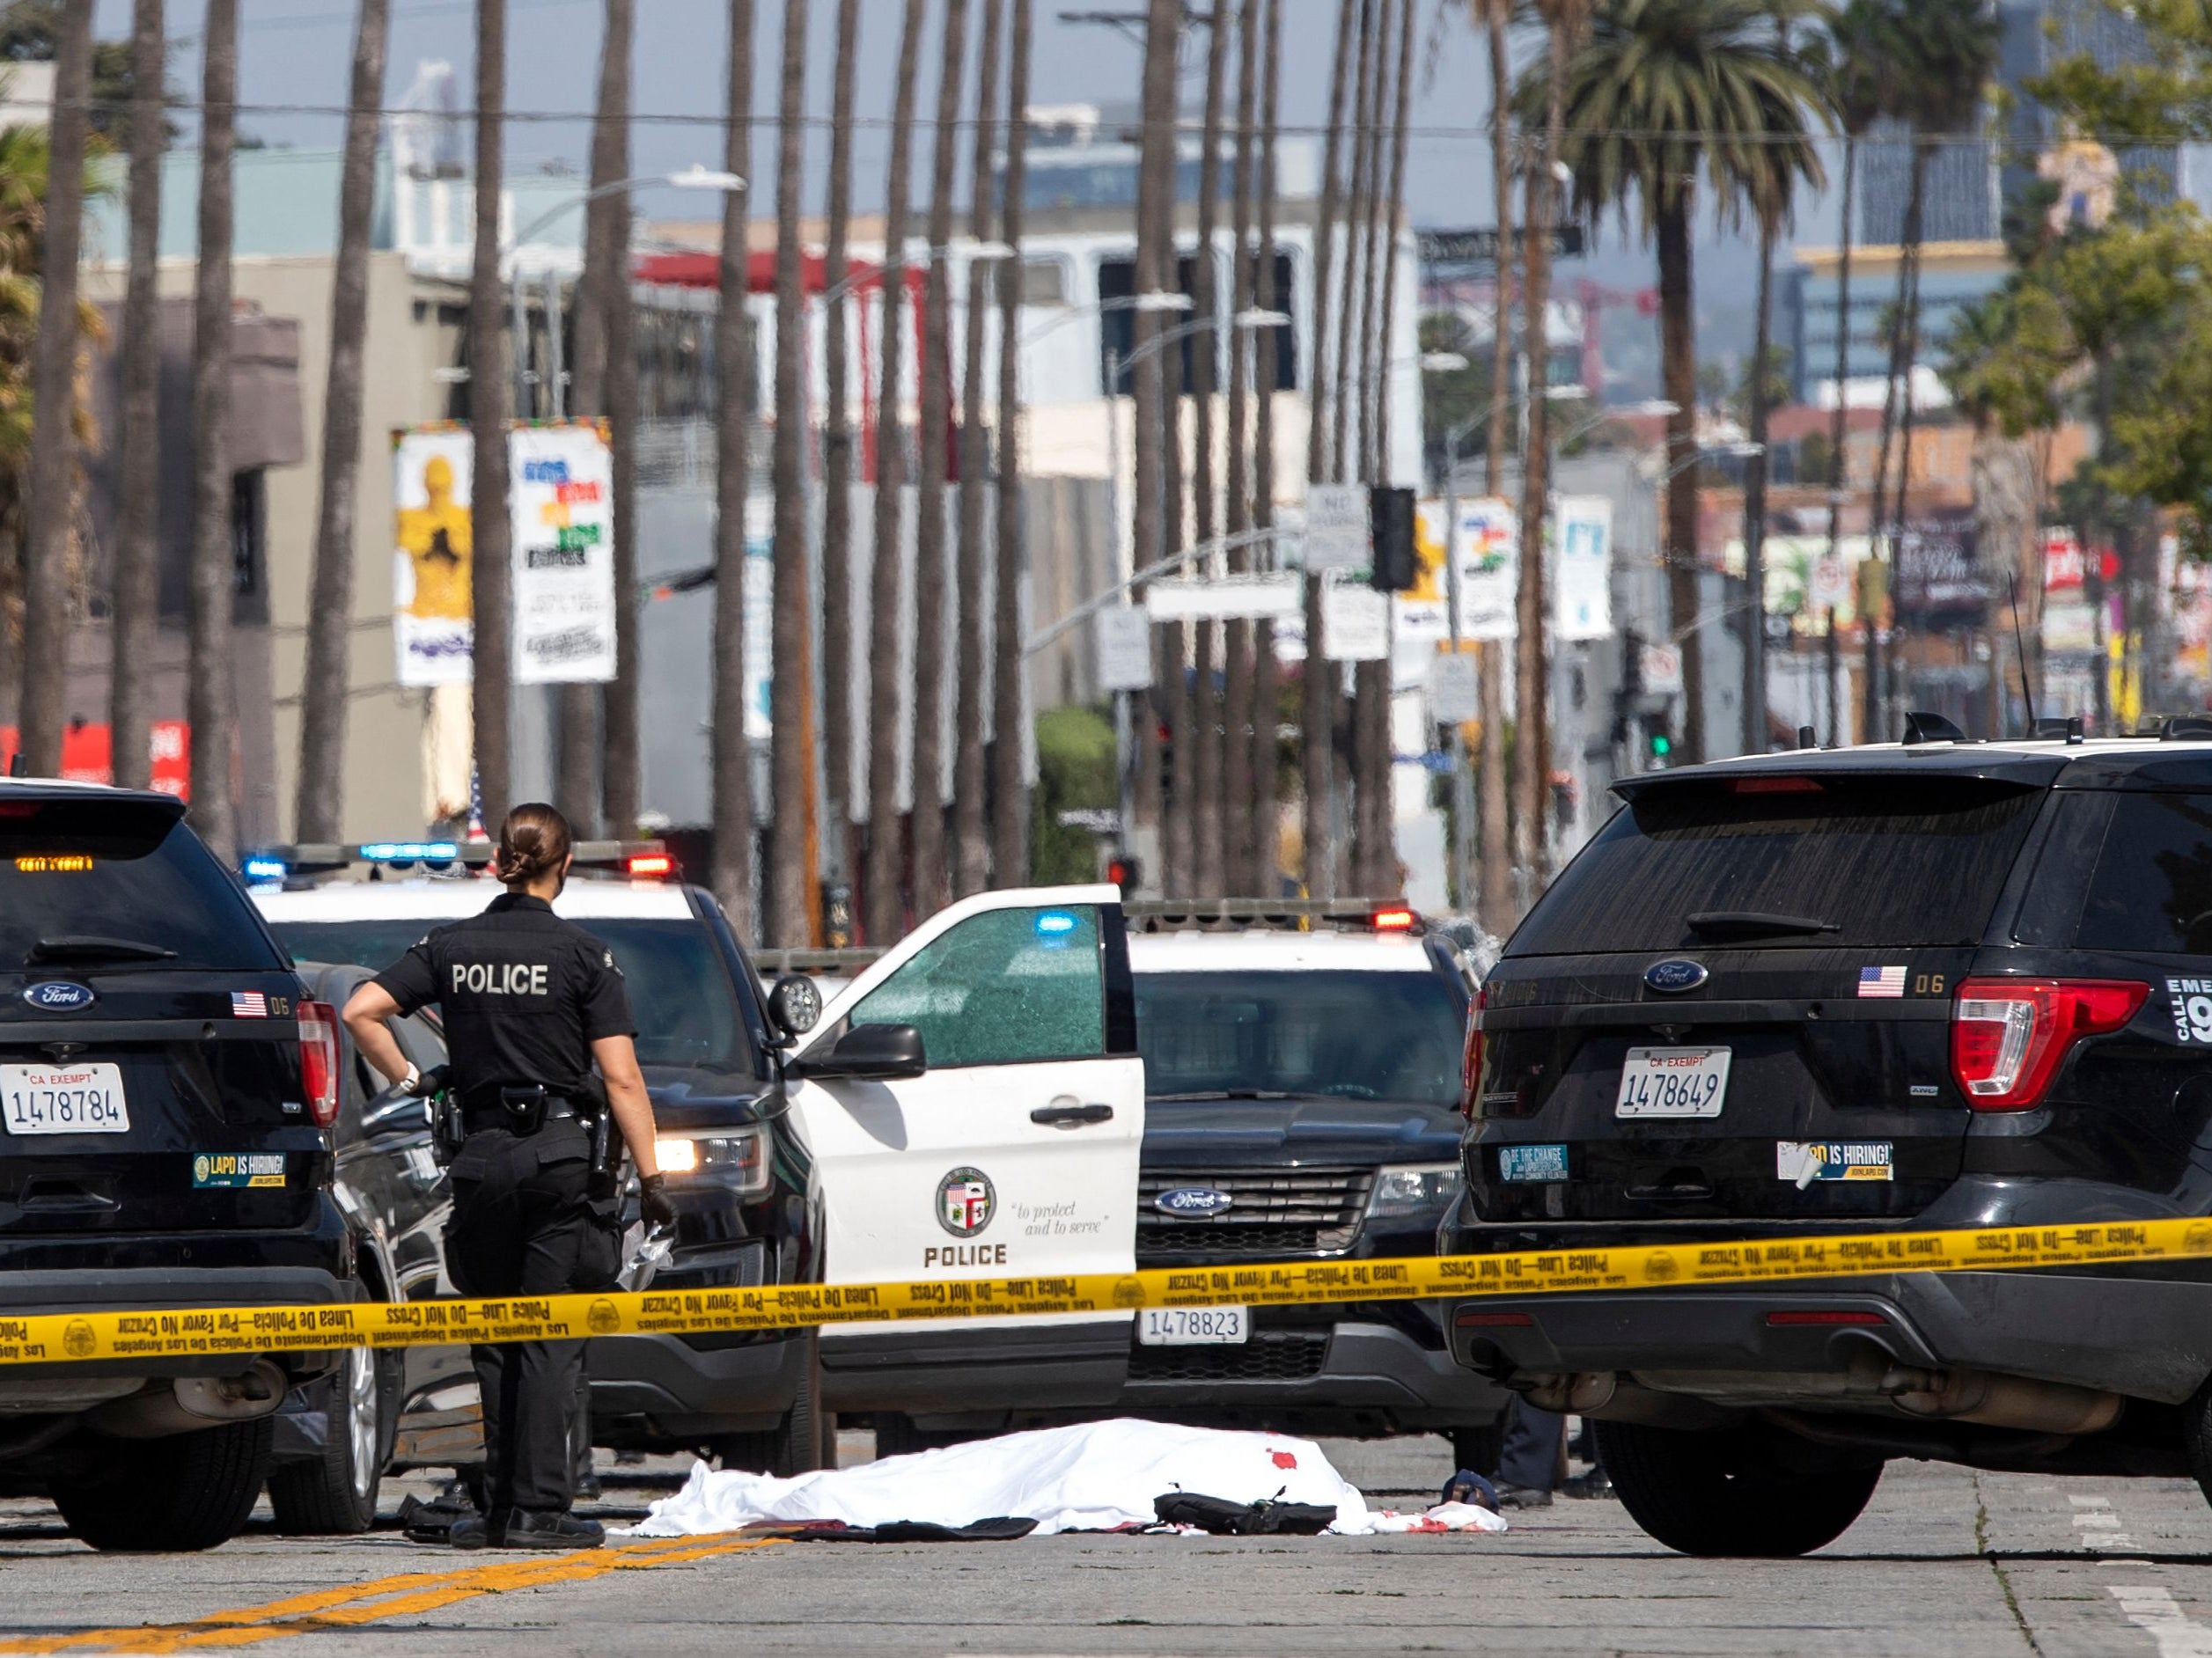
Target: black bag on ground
{"points": [[1269, 1518]]}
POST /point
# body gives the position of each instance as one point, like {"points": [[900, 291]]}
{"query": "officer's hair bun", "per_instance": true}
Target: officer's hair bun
{"points": [[534, 841]]}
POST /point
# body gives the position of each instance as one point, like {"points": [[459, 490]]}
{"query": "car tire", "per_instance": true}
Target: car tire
{"points": [[1703, 1494], [1479, 1448], [897, 1435], [335, 1493], [181, 1494], [797, 1444]]}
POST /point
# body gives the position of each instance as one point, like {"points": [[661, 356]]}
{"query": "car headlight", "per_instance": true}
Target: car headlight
{"points": [[737, 1160], [1418, 1191]]}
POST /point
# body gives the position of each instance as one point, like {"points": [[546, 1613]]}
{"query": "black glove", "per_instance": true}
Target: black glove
{"points": [[652, 1192]]}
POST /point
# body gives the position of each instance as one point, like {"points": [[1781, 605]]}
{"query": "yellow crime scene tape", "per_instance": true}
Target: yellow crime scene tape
{"points": [[63, 1338]]}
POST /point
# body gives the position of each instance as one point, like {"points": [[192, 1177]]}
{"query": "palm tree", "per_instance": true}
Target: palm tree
{"points": [[1154, 266], [1206, 737], [1010, 804], [210, 698], [53, 475], [1349, 388], [971, 846], [490, 564], [1859, 38], [138, 442], [328, 676], [1240, 810], [1369, 752], [1494, 846], [732, 797], [837, 457], [619, 779], [932, 890], [1315, 702], [1266, 865], [883, 909], [790, 911], [1666, 89]]}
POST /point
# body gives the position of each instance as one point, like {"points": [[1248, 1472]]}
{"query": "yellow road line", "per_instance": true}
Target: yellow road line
{"points": [[379, 1598]]}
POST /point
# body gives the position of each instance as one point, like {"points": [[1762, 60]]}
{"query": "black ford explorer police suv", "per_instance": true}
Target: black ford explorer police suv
{"points": [[1937, 985], [165, 1102]]}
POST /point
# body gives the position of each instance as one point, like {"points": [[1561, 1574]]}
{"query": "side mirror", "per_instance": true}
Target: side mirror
{"points": [[794, 1007], [869, 1053]]}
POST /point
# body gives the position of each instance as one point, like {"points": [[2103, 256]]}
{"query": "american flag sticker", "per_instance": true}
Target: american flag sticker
{"points": [[1882, 981], [251, 1004]]}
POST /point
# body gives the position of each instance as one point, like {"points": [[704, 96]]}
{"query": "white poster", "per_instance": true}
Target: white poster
{"points": [[433, 630], [1487, 546], [561, 488], [1336, 527], [1123, 636], [1455, 687], [1355, 622], [1581, 579]]}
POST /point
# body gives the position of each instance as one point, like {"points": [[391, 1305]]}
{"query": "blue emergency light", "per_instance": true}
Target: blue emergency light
{"points": [[409, 851], [265, 868], [1055, 924]]}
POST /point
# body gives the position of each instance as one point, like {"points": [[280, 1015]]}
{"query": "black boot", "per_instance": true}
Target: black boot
{"points": [[476, 1531], [528, 1530]]}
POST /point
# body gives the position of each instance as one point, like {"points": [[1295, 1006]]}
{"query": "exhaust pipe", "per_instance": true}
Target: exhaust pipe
{"points": [[1584, 1390], [2009, 1401], [191, 1402]]}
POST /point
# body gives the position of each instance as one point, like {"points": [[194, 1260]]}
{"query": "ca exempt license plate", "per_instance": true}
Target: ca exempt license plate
{"points": [[1672, 1083], [1192, 1326], [64, 1099]]}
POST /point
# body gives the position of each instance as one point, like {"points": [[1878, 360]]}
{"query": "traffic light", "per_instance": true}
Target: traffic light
{"points": [[1658, 746], [1121, 871], [1389, 523]]}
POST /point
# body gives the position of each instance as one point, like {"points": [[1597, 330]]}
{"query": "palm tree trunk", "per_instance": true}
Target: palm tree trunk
{"points": [[1209, 731], [1755, 506], [1264, 867], [837, 461], [575, 788], [933, 571], [46, 610], [210, 696], [1678, 359], [883, 907], [1316, 701], [1010, 803], [1839, 425], [1877, 519], [1494, 848], [1393, 213], [1350, 373], [491, 568], [1240, 810], [791, 912], [1531, 654], [1154, 267], [971, 847], [619, 781], [138, 442], [1901, 690], [733, 798], [327, 677]]}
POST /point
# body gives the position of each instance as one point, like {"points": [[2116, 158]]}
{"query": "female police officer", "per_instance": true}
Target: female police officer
{"points": [[529, 1002]]}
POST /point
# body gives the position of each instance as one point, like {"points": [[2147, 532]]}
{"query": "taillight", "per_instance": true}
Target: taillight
{"points": [[1471, 1057], [2009, 1036], [319, 1060]]}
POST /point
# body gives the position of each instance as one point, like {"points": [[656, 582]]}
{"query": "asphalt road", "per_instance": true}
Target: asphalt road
{"points": [[1945, 1562]]}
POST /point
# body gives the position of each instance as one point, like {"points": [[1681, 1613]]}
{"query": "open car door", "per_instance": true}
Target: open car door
{"points": [[974, 1105]]}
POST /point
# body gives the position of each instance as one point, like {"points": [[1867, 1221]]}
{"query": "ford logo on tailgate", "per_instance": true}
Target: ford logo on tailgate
{"points": [[1198, 1201], [1671, 978], [59, 995]]}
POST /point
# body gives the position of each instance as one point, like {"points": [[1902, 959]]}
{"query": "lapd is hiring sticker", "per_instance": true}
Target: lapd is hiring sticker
{"points": [[1801, 1162], [212, 1170], [2192, 1000]]}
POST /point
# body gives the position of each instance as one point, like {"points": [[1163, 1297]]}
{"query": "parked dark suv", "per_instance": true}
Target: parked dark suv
{"points": [[165, 1101], [1937, 985]]}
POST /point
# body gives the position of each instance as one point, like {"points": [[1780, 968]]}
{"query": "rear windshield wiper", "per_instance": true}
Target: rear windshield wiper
{"points": [[1749, 923], [1224, 1093], [90, 947]]}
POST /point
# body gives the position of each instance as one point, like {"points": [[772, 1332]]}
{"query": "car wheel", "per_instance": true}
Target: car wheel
{"points": [[802, 1443], [189, 1491], [1479, 1448], [335, 1493], [897, 1435], [1706, 1493]]}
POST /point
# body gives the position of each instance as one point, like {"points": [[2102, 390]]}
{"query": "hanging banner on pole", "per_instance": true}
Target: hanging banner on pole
{"points": [[561, 485], [1123, 635], [1486, 543], [1355, 622], [1582, 586], [1455, 687], [433, 618]]}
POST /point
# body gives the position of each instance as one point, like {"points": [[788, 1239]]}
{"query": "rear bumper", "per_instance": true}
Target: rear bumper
{"points": [[2142, 1338], [649, 1388], [966, 1371]]}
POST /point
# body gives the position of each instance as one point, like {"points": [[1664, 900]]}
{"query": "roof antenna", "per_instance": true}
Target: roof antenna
{"points": [[2020, 651]]}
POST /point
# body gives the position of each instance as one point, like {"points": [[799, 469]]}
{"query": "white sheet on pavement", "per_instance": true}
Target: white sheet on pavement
{"points": [[1090, 1478]]}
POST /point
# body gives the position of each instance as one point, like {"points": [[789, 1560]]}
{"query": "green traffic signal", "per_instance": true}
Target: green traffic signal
{"points": [[1661, 745]]}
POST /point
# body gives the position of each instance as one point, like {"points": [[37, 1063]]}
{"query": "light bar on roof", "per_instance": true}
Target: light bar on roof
{"points": [[261, 868], [409, 851]]}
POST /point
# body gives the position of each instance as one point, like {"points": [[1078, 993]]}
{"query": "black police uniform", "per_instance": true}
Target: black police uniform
{"points": [[524, 993]]}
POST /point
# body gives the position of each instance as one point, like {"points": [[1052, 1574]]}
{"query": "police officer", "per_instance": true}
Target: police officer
{"points": [[530, 1004]]}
